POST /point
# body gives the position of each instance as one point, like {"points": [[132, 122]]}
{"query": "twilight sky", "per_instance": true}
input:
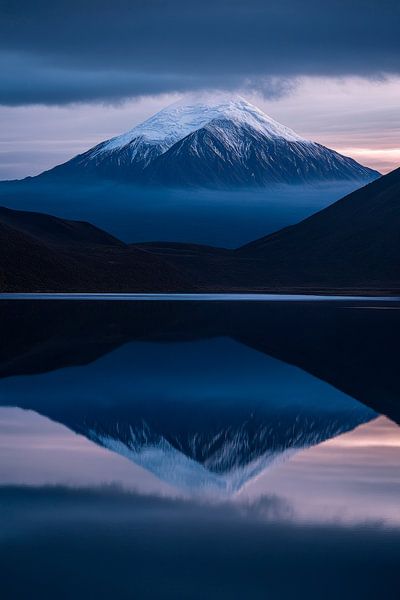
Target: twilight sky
{"points": [[74, 73]]}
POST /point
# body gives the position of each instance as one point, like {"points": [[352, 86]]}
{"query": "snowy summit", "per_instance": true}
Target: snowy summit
{"points": [[179, 119], [213, 143]]}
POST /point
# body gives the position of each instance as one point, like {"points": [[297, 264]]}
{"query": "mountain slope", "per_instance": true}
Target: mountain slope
{"points": [[226, 143], [52, 230], [228, 153], [355, 241], [353, 246], [39, 252]]}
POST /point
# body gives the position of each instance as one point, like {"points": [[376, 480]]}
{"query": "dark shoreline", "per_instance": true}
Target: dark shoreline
{"points": [[225, 296]]}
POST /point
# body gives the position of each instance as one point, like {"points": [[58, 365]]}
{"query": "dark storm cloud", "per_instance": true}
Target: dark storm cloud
{"points": [[58, 52]]}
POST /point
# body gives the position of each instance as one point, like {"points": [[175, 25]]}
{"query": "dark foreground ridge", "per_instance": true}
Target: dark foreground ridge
{"points": [[353, 246]]}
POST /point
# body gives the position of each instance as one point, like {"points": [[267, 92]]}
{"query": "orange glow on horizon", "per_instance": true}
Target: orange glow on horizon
{"points": [[383, 160]]}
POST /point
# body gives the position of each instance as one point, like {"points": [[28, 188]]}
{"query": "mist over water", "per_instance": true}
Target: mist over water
{"points": [[138, 214], [84, 544]]}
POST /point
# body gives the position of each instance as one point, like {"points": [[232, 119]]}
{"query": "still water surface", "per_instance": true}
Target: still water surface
{"points": [[199, 450]]}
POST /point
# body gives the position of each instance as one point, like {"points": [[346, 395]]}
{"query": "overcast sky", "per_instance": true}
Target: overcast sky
{"points": [[74, 73]]}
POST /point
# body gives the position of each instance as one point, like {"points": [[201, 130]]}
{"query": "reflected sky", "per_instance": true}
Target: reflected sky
{"points": [[351, 479], [38, 452]]}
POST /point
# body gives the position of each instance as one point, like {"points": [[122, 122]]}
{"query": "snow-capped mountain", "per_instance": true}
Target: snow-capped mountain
{"points": [[220, 461], [212, 144], [217, 414]]}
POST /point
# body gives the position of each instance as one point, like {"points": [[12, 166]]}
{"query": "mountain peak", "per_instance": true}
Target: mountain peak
{"points": [[214, 141], [185, 116]]}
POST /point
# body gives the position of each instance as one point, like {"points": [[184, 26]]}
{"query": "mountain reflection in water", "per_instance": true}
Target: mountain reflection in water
{"points": [[237, 415]]}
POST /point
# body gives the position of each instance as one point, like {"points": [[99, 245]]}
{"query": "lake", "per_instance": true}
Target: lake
{"points": [[200, 448]]}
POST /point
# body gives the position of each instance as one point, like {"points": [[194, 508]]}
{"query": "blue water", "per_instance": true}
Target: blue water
{"points": [[222, 446], [194, 297]]}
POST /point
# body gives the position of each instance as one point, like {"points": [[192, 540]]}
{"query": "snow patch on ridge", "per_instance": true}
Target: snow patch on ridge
{"points": [[180, 119]]}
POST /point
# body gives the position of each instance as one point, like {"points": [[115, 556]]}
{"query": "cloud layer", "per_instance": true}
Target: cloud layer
{"points": [[57, 53]]}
